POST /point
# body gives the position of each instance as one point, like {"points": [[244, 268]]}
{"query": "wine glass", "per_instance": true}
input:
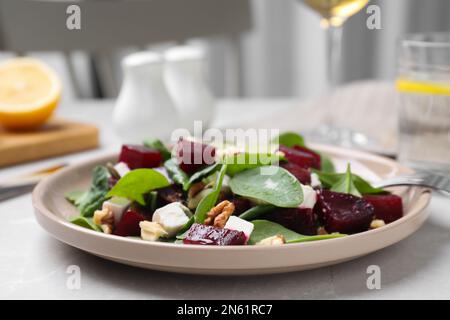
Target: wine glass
{"points": [[334, 13]]}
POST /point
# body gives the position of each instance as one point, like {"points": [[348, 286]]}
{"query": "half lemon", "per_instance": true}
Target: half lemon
{"points": [[29, 92]]}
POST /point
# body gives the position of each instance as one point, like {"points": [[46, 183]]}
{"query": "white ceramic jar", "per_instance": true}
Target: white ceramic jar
{"points": [[184, 76], [144, 108]]}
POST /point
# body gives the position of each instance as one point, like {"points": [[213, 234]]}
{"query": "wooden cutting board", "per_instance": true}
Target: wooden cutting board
{"points": [[57, 137]]}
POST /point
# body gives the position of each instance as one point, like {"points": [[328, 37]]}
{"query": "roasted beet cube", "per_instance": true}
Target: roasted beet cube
{"points": [[136, 156], [301, 156], [129, 224], [303, 175], [388, 207], [209, 235], [193, 156], [343, 213], [301, 220]]}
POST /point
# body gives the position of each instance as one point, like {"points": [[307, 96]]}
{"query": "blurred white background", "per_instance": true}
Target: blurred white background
{"points": [[283, 55]]}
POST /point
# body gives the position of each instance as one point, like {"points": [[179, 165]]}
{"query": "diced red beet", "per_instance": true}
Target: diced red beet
{"points": [[241, 205], [137, 156], [315, 155], [343, 213], [388, 207], [301, 220], [129, 224], [301, 156], [209, 235], [193, 156], [303, 175]]}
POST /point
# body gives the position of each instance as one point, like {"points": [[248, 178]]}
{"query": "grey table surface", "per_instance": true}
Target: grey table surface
{"points": [[34, 265]]}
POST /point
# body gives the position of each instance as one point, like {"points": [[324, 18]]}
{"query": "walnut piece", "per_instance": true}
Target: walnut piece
{"points": [[377, 223], [219, 215], [321, 231], [272, 241], [105, 219]]}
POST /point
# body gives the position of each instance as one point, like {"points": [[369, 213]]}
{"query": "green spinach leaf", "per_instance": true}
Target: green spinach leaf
{"points": [[176, 174], [199, 175], [270, 184], [158, 145], [138, 182], [257, 211], [243, 161], [326, 164], [85, 223], [93, 199], [183, 232], [290, 139], [264, 229], [345, 184], [208, 202], [329, 179], [74, 197]]}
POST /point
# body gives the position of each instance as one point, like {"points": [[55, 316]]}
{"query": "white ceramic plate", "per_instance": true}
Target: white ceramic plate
{"points": [[52, 211]]}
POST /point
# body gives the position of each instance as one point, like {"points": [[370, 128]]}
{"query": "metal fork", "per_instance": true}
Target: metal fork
{"points": [[433, 180]]}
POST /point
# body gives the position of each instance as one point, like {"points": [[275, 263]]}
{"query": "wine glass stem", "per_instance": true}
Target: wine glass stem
{"points": [[334, 44]]}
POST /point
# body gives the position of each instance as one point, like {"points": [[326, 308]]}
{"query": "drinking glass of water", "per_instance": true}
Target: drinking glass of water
{"points": [[423, 86]]}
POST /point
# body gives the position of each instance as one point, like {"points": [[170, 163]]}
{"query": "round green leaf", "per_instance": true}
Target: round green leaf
{"points": [[271, 184]]}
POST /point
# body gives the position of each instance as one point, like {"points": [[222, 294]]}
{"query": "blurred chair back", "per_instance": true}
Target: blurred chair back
{"points": [[40, 25]]}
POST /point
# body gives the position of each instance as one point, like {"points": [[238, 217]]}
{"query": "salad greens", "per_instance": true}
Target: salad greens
{"points": [[261, 198], [208, 202], [138, 182], [290, 139], [264, 229], [326, 164], [363, 187], [257, 211], [199, 175], [152, 200], [91, 200], [345, 184], [243, 161], [158, 145], [75, 196], [280, 188], [176, 174], [185, 228], [85, 223]]}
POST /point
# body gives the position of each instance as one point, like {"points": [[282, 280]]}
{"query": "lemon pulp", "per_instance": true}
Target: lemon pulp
{"points": [[29, 92]]}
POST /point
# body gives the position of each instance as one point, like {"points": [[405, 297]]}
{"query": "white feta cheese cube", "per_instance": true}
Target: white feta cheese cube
{"points": [[117, 206], [315, 181], [172, 217], [309, 197], [238, 224], [122, 168]]}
